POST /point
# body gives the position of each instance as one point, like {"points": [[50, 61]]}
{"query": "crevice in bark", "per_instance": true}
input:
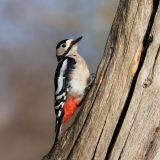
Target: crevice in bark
{"points": [[153, 140], [154, 10], [158, 51], [149, 148], [97, 143], [84, 120], [146, 42], [148, 81]]}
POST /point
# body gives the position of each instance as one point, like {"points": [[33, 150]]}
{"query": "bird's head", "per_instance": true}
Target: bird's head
{"points": [[67, 47]]}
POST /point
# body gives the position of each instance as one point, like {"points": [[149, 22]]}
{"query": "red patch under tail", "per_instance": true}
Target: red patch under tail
{"points": [[69, 107]]}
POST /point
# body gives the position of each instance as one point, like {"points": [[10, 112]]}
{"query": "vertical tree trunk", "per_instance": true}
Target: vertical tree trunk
{"points": [[120, 117]]}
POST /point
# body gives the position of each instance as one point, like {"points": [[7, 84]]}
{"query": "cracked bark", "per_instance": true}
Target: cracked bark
{"points": [[120, 117]]}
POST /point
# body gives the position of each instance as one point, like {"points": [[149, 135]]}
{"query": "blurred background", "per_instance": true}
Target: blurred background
{"points": [[29, 33]]}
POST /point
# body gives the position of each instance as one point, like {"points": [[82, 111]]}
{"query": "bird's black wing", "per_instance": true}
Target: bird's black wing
{"points": [[64, 69]]}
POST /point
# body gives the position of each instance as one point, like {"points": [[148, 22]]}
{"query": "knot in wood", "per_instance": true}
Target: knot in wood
{"points": [[147, 82]]}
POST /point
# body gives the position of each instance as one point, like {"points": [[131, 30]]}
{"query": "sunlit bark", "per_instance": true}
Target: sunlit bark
{"points": [[120, 117]]}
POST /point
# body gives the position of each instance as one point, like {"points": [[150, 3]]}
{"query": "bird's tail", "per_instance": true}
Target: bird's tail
{"points": [[58, 129]]}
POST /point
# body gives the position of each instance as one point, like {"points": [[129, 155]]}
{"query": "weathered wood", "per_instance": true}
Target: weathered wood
{"points": [[139, 136], [120, 116]]}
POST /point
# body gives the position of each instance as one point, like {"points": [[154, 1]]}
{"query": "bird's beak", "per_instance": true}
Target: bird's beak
{"points": [[76, 40]]}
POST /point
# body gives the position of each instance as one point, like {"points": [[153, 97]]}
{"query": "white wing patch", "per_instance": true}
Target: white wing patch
{"points": [[60, 78], [59, 113], [60, 96], [61, 104]]}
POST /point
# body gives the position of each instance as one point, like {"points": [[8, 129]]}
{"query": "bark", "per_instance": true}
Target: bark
{"points": [[120, 117]]}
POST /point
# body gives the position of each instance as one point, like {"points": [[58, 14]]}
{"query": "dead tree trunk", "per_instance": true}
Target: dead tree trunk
{"points": [[120, 118]]}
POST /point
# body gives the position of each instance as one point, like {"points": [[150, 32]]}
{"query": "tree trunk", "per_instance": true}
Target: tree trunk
{"points": [[120, 117]]}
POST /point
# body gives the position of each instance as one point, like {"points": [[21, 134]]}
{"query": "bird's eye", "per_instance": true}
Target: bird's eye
{"points": [[63, 45]]}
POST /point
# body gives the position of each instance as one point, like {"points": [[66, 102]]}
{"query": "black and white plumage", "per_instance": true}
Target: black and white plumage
{"points": [[72, 77], [64, 69]]}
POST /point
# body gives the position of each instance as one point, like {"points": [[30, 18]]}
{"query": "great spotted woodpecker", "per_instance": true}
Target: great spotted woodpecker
{"points": [[72, 80]]}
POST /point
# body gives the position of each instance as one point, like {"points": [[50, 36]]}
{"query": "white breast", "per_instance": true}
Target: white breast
{"points": [[79, 77]]}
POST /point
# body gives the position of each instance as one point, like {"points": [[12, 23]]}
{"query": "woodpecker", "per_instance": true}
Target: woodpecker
{"points": [[72, 80]]}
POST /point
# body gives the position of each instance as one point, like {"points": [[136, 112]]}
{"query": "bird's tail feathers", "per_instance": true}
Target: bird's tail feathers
{"points": [[58, 129]]}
